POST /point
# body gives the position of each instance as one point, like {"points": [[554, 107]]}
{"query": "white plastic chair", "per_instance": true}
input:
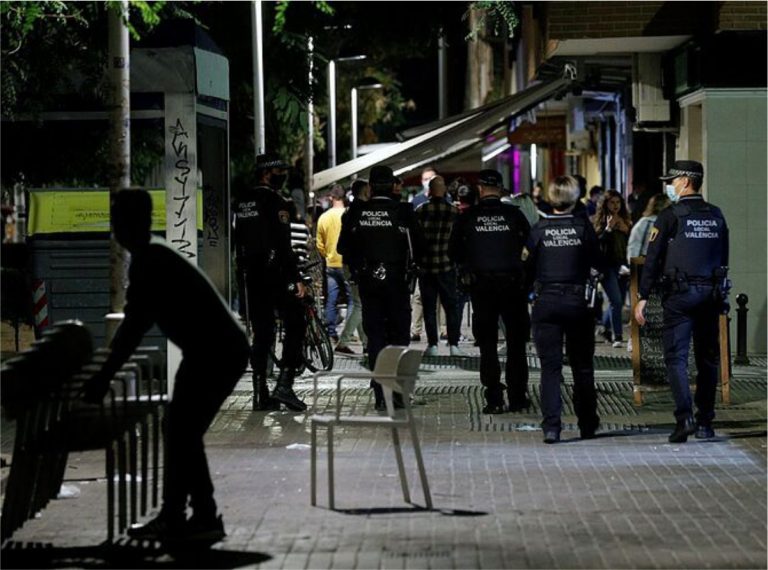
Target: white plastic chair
{"points": [[396, 370]]}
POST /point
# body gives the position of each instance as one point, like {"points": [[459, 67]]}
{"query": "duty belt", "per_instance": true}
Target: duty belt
{"points": [[700, 280], [559, 288]]}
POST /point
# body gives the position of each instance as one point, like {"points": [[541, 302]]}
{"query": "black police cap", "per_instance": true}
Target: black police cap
{"points": [[491, 178], [689, 168], [381, 175], [269, 160]]}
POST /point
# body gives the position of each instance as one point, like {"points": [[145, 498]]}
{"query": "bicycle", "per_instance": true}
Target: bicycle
{"points": [[316, 348]]}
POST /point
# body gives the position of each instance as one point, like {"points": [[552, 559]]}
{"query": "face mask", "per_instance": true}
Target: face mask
{"points": [[671, 194], [276, 181], [425, 186]]}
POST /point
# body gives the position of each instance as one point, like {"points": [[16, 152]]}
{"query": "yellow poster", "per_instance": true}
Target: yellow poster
{"points": [[86, 210]]}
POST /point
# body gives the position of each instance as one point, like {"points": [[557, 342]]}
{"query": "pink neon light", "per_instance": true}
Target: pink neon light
{"points": [[516, 171]]}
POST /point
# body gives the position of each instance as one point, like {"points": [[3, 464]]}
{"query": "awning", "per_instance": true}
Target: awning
{"points": [[450, 137]]}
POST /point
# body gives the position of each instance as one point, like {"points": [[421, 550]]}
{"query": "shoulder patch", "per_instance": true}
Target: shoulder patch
{"points": [[524, 255], [284, 217], [654, 234]]}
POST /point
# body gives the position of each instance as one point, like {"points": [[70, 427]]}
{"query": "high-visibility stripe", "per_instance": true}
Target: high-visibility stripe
{"points": [[40, 300]]}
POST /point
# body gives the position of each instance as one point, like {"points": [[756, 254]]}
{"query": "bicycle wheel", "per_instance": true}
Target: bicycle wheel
{"points": [[275, 359], [318, 349]]}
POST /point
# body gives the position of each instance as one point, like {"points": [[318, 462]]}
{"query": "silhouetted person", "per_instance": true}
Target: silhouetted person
{"points": [[165, 289]]}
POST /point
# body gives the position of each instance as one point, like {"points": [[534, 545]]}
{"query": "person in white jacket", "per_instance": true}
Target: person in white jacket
{"points": [[639, 236]]}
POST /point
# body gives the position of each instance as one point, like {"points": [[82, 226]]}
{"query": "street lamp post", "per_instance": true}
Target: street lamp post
{"points": [[332, 104], [353, 106]]}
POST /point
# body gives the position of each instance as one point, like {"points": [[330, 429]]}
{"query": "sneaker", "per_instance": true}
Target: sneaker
{"points": [[159, 528], [551, 436], [344, 349], [208, 529], [443, 336], [431, 350], [704, 432], [456, 351], [617, 344], [415, 337]]}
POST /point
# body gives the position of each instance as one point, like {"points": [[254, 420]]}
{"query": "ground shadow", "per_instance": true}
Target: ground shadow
{"points": [[127, 554], [411, 509]]}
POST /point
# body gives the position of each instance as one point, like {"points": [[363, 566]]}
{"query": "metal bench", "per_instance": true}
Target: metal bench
{"points": [[41, 391]]}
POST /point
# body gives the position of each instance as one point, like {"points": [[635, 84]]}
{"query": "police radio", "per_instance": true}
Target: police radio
{"points": [[590, 291]]}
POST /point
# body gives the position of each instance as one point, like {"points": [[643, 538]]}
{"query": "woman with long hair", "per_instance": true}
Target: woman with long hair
{"points": [[612, 225]]}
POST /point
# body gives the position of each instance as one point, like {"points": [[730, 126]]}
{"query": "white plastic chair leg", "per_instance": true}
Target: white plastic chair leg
{"points": [[400, 465], [313, 466], [331, 501], [419, 460]]}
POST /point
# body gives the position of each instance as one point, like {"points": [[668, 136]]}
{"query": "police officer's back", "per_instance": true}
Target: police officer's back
{"points": [[269, 278], [486, 243], [380, 239], [688, 251], [560, 252]]}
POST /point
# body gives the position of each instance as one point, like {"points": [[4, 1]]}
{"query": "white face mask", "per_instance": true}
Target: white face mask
{"points": [[671, 194]]}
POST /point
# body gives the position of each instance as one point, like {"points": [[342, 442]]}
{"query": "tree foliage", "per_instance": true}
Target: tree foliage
{"points": [[53, 47], [498, 16]]}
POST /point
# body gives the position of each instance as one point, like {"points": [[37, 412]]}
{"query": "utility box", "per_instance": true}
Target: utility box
{"points": [[68, 241]]}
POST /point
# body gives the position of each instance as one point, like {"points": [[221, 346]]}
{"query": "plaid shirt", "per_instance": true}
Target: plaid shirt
{"points": [[436, 219]]}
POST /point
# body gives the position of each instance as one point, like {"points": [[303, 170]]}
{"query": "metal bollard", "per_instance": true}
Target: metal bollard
{"points": [[741, 330]]}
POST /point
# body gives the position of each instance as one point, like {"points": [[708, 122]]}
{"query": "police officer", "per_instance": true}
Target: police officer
{"points": [[269, 275], [379, 240], [561, 250], [688, 249], [486, 243]]}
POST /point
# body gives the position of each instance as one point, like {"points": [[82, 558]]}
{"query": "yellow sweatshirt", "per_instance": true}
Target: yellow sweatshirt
{"points": [[328, 230]]}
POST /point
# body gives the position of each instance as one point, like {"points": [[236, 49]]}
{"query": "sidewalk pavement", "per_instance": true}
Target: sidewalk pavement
{"points": [[503, 499]]}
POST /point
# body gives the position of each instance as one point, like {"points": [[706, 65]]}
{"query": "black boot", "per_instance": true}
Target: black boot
{"points": [[262, 402], [683, 429], [284, 393]]}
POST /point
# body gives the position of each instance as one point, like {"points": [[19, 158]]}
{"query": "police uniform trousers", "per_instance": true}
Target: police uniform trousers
{"points": [[266, 294], [386, 317], [560, 311], [694, 312], [203, 382], [495, 296]]}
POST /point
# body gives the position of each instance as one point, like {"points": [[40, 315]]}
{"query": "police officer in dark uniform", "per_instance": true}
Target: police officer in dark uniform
{"points": [[379, 240], [560, 252], [269, 275], [688, 249], [486, 243]]}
